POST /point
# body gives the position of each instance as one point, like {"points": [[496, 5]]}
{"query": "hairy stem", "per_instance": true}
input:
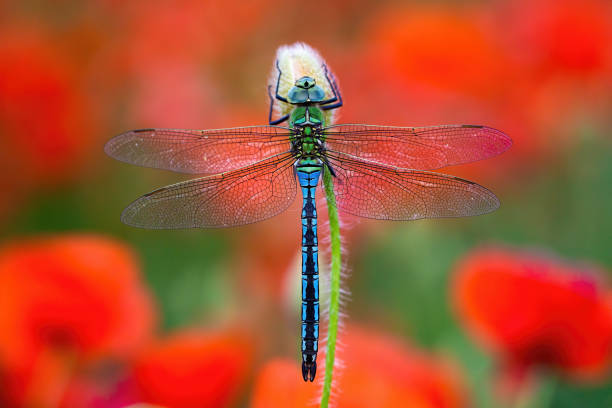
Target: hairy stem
{"points": [[334, 299]]}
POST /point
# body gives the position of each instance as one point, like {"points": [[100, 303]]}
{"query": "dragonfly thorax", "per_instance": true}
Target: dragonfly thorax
{"points": [[306, 115], [307, 122], [307, 140]]}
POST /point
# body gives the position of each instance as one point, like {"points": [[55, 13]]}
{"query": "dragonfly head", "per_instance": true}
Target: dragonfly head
{"points": [[305, 82], [306, 90]]}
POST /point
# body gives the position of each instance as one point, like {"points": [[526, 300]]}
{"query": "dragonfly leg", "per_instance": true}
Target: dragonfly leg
{"points": [[325, 161], [329, 167], [337, 95], [280, 98], [275, 121], [279, 120], [277, 96]]}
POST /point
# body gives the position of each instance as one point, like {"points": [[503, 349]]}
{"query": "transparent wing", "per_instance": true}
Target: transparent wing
{"points": [[422, 148], [371, 190], [238, 197], [199, 151]]}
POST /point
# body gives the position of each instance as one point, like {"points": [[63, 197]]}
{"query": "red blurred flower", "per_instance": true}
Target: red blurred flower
{"points": [[193, 369], [536, 311], [441, 47], [567, 36], [566, 63], [536, 69], [161, 32], [380, 372], [44, 118], [64, 302], [278, 385], [169, 60]]}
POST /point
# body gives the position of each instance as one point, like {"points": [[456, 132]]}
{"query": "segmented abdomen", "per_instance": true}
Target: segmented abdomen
{"points": [[308, 177]]}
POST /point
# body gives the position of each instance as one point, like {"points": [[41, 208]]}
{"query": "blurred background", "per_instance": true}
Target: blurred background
{"points": [[511, 309]]}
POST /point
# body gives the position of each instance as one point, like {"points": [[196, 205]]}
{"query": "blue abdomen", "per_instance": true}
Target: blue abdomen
{"points": [[308, 176]]}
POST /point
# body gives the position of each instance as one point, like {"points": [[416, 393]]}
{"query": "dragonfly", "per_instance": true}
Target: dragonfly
{"points": [[249, 174]]}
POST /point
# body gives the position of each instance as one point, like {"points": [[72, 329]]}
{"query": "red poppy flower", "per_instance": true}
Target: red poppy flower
{"points": [[43, 114], [193, 369], [379, 372], [65, 301], [535, 69], [566, 62], [442, 47], [536, 311], [195, 30], [571, 36], [45, 121]]}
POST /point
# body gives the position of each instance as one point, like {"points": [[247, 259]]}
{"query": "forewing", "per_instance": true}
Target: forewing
{"points": [[238, 197], [199, 151], [421, 148], [373, 191]]}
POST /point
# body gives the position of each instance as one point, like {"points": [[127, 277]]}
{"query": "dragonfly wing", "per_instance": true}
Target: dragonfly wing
{"points": [[239, 197], [370, 190], [422, 148], [199, 151]]}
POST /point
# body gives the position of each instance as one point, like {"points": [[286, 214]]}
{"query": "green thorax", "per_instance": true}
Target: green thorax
{"points": [[307, 120], [306, 114]]}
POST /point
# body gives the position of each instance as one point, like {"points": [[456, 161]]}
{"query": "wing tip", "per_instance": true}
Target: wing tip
{"points": [[129, 217], [488, 198], [129, 213], [502, 140], [495, 203], [491, 200], [132, 214], [113, 146], [109, 147]]}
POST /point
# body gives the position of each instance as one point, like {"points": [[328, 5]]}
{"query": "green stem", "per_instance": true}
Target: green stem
{"points": [[540, 394], [334, 283]]}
